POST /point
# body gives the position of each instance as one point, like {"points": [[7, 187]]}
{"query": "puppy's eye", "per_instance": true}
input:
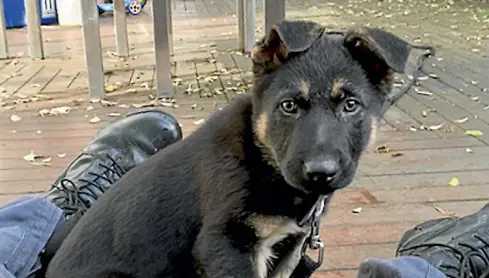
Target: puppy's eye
{"points": [[350, 105], [289, 106]]}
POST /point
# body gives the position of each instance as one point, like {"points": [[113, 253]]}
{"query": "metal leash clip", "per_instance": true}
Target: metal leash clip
{"points": [[314, 240]]}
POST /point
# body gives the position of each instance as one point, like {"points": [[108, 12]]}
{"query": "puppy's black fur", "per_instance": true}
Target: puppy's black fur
{"points": [[221, 202]]}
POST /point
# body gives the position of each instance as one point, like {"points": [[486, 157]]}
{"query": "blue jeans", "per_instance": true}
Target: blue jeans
{"points": [[27, 223], [402, 267]]}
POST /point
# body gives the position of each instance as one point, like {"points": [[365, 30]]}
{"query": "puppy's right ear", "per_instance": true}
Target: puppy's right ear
{"points": [[281, 43]]}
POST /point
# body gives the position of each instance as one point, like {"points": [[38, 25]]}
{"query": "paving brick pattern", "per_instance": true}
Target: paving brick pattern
{"points": [[396, 189]]}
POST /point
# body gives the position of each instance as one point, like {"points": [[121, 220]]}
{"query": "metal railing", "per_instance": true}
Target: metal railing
{"points": [[274, 11]]}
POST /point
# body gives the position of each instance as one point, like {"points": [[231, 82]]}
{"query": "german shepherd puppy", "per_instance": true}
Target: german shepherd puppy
{"points": [[216, 203]]}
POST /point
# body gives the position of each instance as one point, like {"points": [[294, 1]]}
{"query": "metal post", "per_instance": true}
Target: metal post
{"points": [[274, 12], [240, 18], [120, 29], [93, 48], [164, 87], [3, 34], [34, 33], [249, 24]]}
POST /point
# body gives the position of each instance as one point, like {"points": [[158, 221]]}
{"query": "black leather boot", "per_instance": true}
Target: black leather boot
{"points": [[458, 247], [116, 149]]}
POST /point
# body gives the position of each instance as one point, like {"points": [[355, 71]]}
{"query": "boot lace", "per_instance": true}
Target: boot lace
{"points": [[467, 268], [71, 202]]}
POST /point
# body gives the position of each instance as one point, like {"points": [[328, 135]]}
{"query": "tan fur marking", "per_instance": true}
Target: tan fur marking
{"points": [[261, 127], [388, 80], [336, 91], [305, 89], [270, 230]]}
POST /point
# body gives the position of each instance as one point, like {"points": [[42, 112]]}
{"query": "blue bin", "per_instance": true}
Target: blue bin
{"points": [[14, 12]]}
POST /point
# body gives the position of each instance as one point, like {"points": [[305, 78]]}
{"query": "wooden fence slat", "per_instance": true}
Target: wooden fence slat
{"points": [[161, 28], [250, 24], [34, 34], [93, 48], [274, 12], [120, 29], [3, 34]]}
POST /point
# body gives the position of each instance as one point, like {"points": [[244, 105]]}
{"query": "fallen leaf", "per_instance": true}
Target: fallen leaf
{"points": [[475, 133], [357, 210], [442, 211], [461, 121], [468, 150], [15, 118], [145, 104], [166, 104], [108, 103], [61, 155], [60, 110], [55, 111], [111, 88], [382, 149], [95, 120], [449, 129], [199, 122], [424, 93], [31, 157], [40, 163], [435, 127], [454, 182], [47, 159]]}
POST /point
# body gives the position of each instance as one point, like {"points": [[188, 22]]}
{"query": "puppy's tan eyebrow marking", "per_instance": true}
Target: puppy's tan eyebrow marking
{"points": [[336, 91], [305, 89]]}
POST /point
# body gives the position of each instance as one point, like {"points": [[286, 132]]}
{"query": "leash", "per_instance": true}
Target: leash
{"points": [[393, 97], [313, 241], [307, 266]]}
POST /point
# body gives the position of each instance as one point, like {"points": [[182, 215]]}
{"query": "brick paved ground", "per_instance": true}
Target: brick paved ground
{"points": [[395, 191]]}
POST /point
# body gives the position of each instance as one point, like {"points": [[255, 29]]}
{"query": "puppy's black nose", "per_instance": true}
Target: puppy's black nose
{"points": [[321, 171]]}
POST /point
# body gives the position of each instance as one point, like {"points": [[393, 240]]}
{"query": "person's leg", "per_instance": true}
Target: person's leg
{"points": [[403, 267], [457, 246], [27, 224], [454, 247], [116, 149]]}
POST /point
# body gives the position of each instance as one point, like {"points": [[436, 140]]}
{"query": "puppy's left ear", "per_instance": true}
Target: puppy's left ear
{"points": [[380, 53]]}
